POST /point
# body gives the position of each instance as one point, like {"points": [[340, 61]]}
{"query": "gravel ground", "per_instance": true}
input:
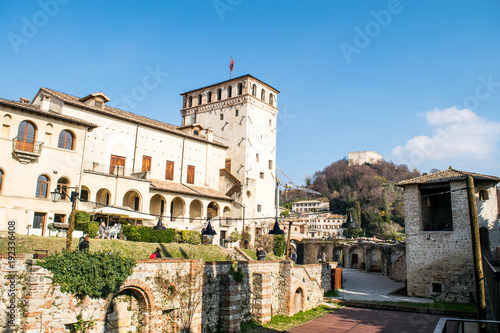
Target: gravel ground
{"points": [[363, 286]]}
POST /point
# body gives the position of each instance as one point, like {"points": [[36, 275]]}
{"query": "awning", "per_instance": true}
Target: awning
{"points": [[123, 212]]}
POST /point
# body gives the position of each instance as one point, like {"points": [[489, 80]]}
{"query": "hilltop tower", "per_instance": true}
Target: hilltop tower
{"points": [[241, 113]]}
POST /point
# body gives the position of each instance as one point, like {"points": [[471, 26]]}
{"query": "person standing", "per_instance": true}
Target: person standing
{"points": [[323, 257], [261, 253], [85, 245]]}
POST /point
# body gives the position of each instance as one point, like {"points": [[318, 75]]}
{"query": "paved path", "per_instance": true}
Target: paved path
{"points": [[357, 320], [363, 286]]}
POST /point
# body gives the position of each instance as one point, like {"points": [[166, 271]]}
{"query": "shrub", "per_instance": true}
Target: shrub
{"points": [[279, 245], [96, 274], [81, 217], [189, 237], [89, 228], [234, 236], [147, 234]]}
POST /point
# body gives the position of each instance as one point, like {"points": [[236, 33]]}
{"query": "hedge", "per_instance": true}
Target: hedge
{"points": [[83, 223], [147, 234], [189, 237]]}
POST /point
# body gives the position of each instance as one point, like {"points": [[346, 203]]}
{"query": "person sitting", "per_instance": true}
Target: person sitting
{"points": [[156, 254], [85, 245], [101, 230]]}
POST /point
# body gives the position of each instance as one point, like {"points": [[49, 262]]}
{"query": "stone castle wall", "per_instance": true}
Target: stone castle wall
{"points": [[164, 294]]}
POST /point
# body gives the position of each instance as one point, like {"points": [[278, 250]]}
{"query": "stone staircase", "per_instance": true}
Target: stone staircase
{"points": [[235, 255]]}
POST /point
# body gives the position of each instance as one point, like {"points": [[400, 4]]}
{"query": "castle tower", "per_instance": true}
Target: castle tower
{"points": [[242, 113]]}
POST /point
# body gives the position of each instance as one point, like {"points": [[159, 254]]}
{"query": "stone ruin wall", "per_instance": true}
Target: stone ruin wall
{"points": [[388, 259], [150, 297]]}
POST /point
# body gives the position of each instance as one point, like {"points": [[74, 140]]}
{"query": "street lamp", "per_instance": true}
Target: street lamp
{"points": [[349, 224], [159, 225], [209, 232], [56, 196]]}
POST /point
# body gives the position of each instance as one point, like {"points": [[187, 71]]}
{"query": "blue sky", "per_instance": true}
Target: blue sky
{"points": [[416, 81]]}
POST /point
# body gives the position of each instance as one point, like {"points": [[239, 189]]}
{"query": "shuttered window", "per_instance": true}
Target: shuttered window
{"points": [[146, 163], [190, 175], [169, 171]]}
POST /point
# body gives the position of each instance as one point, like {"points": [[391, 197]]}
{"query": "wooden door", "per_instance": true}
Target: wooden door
{"points": [[117, 161], [26, 137]]}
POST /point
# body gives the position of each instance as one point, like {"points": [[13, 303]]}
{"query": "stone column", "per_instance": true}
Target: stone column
{"points": [[230, 305], [262, 297]]}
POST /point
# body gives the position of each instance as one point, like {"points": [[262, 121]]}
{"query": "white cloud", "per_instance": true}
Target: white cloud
{"points": [[458, 136]]}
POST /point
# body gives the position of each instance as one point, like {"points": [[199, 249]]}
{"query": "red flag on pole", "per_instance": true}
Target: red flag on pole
{"points": [[231, 65]]}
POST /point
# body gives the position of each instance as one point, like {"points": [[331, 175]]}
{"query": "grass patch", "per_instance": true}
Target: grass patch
{"points": [[332, 293], [269, 256], [135, 250], [280, 322]]}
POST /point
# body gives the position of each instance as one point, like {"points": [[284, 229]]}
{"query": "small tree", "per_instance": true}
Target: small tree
{"points": [[234, 236], [279, 245]]}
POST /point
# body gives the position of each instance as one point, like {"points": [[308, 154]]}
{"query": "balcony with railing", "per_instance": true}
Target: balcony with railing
{"points": [[26, 151], [113, 170]]}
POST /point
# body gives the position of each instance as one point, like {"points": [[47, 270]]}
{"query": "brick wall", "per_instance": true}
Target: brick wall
{"points": [[161, 293]]}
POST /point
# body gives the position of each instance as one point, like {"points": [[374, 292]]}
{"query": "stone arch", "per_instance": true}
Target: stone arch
{"points": [[177, 208], [298, 300], [195, 210], [355, 257], [133, 199], [132, 310], [339, 255], [226, 212], [85, 193], [157, 205], [103, 197], [212, 210], [374, 259]]}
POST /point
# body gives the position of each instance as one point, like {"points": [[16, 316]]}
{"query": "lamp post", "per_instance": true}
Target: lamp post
{"points": [[209, 232], [349, 224], [56, 195]]}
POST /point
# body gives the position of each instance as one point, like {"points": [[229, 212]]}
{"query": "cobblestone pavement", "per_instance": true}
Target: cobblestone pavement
{"points": [[362, 286], [357, 320]]}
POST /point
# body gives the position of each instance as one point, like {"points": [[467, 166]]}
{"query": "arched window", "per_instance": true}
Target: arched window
{"points": [[42, 186], [62, 186], [199, 99], [26, 134], [240, 88], [254, 90], [271, 99], [190, 101], [483, 195], [229, 92], [209, 97], [1, 179], [66, 140], [219, 94], [263, 95]]}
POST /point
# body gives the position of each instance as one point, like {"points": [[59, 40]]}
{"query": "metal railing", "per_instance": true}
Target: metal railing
{"points": [[473, 324], [492, 279], [34, 147]]}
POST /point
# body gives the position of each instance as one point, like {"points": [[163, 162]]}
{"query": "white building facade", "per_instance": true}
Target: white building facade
{"points": [[135, 164]]}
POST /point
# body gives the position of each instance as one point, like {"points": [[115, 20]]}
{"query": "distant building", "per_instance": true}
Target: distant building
{"points": [[438, 236], [362, 157], [309, 205]]}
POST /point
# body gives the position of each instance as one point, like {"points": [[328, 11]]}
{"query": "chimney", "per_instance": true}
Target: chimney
{"points": [[24, 100], [45, 104], [210, 134]]}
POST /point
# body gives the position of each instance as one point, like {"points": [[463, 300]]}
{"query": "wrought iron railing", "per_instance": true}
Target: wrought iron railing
{"points": [[464, 325]]}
